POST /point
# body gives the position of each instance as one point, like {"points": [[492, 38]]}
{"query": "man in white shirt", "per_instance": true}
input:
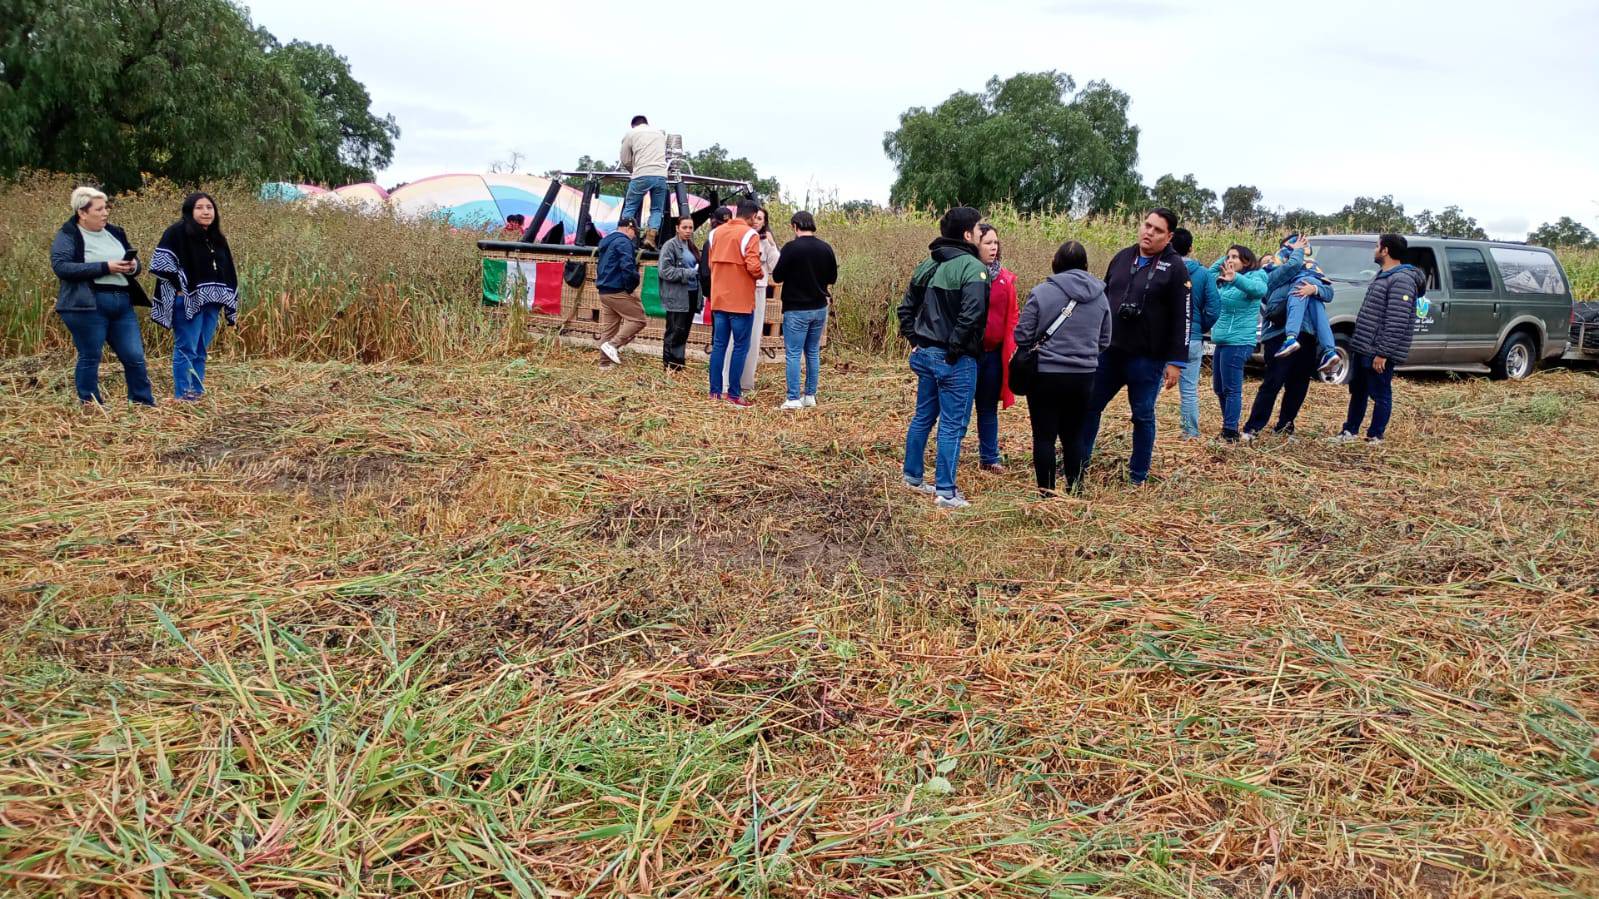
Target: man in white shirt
{"points": [[644, 156]]}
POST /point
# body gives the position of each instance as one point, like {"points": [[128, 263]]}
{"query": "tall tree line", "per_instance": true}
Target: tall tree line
{"points": [[189, 90]]}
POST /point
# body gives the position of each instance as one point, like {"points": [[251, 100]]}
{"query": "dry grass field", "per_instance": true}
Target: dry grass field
{"points": [[509, 626]]}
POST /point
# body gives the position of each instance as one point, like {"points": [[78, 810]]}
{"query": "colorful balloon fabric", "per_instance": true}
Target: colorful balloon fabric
{"points": [[479, 202]]}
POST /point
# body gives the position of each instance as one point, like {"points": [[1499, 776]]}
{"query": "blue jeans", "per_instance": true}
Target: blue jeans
{"points": [[1141, 375], [725, 326], [943, 396], [1227, 379], [1377, 387], [1309, 314], [802, 335], [1188, 386], [113, 321], [633, 200], [191, 337], [990, 378]]}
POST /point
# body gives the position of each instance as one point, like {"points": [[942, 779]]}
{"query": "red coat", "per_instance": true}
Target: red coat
{"points": [[1000, 332]]}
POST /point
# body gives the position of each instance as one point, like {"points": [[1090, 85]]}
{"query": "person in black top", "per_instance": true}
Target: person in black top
{"points": [[1148, 286], [807, 269]]}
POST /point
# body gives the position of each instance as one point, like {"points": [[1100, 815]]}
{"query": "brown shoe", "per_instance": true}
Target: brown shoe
{"points": [[993, 468]]}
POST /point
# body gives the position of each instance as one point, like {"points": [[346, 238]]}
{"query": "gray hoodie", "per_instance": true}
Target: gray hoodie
{"points": [[1076, 344]]}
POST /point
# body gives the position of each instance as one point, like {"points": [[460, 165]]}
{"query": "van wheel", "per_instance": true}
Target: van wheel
{"points": [[1340, 373], [1515, 358]]}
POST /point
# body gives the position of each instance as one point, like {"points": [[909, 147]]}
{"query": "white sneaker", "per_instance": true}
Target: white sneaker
{"points": [[1372, 441], [1343, 437], [809, 400], [921, 486], [792, 404], [1248, 436], [610, 353], [952, 502]]}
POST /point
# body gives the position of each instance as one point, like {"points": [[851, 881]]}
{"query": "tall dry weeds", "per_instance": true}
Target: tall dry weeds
{"points": [[321, 283]]}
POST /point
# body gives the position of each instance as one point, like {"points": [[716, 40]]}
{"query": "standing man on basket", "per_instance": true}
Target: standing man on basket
{"points": [[644, 156], [1384, 328], [943, 316], [1148, 287]]}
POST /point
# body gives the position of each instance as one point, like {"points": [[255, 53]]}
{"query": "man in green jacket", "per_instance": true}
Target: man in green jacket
{"points": [[943, 315]]}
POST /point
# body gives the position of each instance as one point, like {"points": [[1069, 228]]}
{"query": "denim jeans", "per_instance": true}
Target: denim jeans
{"points": [[1309, 314], [802, 335], [191, 338], [113, 321], [990, 378], [1188, 386], [943, 396], [633, 200], [1288, 375], [1227, 379], [1368, 384], [1141, 375], [725, 326]]}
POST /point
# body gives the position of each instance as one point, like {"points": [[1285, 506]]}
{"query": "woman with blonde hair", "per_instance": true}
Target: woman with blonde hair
{"points": [[96, 267]]}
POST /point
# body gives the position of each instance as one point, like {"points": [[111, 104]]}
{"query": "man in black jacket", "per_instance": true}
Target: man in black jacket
{"points": [[942, 315], [1148, 286]]}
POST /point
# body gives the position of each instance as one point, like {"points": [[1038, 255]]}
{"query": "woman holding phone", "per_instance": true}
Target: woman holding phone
{"points": [[195, 283], [96, 267]]}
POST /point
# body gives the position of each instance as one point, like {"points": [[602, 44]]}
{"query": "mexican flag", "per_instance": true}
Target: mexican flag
{"points": [[650, 292], [537, 285]]}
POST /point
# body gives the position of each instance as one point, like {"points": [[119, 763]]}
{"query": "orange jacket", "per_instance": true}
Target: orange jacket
{"points": [[735, 260]]}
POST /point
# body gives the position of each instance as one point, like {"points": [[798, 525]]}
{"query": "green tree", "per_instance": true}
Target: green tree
{"points": [[350, 143], [1305, 221], [181, 89], [1567, 232], [1240, 204], [1032, 139], [1368, 215], [1185, 197], [714, 162], [587, 163], [1452, 222]]}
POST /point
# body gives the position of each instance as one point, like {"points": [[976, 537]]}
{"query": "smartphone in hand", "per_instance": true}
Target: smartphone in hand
{"points": [[130, 255]]}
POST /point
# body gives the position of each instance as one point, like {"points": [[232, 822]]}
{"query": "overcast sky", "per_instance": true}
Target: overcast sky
{"points": [[1491, 106]]}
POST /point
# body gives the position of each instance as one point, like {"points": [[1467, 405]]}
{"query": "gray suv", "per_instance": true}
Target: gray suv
{"points": [[1490, 306]]}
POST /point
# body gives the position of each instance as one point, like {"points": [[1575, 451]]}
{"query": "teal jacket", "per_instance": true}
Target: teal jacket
{"points": [[1238, 322]]}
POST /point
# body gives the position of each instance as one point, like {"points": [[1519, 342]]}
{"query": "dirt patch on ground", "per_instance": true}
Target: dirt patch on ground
{"points": [[820, 528], [251, 447], [335, 477]]}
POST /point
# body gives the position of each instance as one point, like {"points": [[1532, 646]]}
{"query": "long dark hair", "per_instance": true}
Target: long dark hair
{"points": [[1251, 262], [194, 229], [692, 250]]}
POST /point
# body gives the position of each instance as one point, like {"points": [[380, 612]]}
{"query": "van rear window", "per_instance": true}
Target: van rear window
{"points": [[1529, 271]]}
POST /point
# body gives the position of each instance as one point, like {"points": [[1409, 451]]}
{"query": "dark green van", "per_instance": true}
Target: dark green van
{"points": [[1492, 307]]}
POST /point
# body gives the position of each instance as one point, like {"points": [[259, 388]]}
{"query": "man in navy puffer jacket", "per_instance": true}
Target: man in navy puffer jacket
{"points": [[1383, 331]]}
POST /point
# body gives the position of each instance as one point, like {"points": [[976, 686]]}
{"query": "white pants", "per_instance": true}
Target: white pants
{"points": [[747, 378]]}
